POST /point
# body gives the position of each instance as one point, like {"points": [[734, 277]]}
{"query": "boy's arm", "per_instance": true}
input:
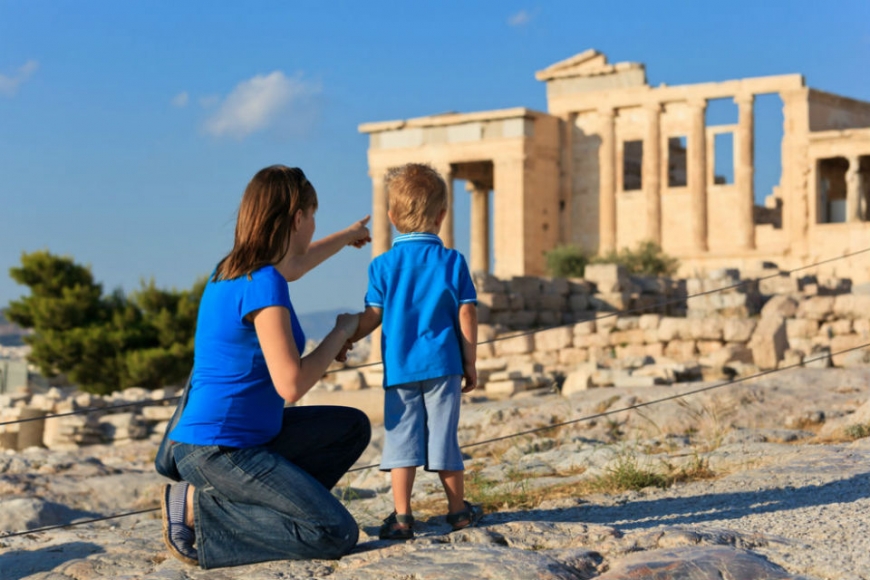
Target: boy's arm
{"points": [[356, 235], [369, 320], [468, 330]]}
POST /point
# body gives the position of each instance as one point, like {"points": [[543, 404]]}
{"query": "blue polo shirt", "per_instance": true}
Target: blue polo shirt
{"points": [[420, 284], [232, 399]]}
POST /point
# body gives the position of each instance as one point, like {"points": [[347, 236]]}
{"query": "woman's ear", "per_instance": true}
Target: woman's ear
{"points": [[297, 219]]}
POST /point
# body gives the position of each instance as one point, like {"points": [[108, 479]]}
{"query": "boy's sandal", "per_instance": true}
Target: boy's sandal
{"points": [[179, 538], [466, 518], [397, 527]]}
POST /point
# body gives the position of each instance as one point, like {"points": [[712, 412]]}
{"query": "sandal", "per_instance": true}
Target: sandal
{"points": [[397, 527], [177, 536], [466, 518]]}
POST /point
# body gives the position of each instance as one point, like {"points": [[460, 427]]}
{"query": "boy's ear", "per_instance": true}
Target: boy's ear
{"points": [[390, 215], [441, 217]]}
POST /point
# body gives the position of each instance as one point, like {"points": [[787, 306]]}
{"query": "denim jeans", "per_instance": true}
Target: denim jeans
{"points": [[273, 502]]}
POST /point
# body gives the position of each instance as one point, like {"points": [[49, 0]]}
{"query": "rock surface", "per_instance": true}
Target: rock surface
{"points": [[782, 502]]}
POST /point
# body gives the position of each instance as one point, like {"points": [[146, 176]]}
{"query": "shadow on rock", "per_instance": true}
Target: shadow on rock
{"points": [[19, 564], [699, 509]]}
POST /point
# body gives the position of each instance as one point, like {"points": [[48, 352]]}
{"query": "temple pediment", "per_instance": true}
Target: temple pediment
{"points": [[588, 63]]}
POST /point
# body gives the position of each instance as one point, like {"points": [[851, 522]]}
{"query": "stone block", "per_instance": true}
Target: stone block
{"points": [[726, 354], [525, 285], [819, 358], [816, 308], [579, 379], [649, 321], [707, 328], [554, 339], [634, 381], [738, 329], [607, 277], [783, 306], [572, 356], [801, 328], [852, 305], [516, 301], [706, 347], [549, 359], [861, 327], [769, 341], [492, 364], [584, 328], [522, 344], [495, 301], [791, 358], [605, 322], [591, 340], [671, 328], [558, 286], [484, 282], [845, 351], [548, 318], [838, 327], [509, 388], [610, 301], [624, 337], [580, 286], [782, 284], [627, 322], [546, 302], [630, 351], [681, 350], [654, 349], [578, 302]]}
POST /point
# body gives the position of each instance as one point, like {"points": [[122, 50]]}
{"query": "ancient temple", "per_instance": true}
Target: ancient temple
{"points": [[616, 161]]}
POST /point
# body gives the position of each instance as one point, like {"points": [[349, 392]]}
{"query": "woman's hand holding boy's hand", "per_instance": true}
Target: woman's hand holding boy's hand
{"points": [[358, 233], [347, 324]]}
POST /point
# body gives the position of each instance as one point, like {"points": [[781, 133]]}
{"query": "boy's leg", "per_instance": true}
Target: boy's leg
{"points": [[403, 484], [405, 442], [454, 487], [442, 397]]}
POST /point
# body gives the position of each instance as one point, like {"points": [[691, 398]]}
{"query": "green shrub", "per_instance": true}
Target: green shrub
{"points": [[566, 262], [646, 259], [103, 343]]}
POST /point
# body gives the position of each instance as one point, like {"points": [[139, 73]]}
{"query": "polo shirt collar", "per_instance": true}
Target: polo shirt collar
{"points": [[418, 237]]}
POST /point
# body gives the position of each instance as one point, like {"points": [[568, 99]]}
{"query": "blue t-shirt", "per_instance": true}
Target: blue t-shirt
{"points": [[420, 284], [232, 400]]}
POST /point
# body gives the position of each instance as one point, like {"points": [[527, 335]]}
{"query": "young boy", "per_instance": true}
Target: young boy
{"points": [[423, 295]]}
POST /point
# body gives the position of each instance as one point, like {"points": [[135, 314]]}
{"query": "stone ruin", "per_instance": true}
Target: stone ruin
{"points": [[545, 336]]}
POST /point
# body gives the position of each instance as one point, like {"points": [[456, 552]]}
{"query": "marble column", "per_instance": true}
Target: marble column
{"points": [[479, 226], [651, 173], [853, 190], [607, 183], [697, 174], [446, 232], [744, 172], [381, 229]]}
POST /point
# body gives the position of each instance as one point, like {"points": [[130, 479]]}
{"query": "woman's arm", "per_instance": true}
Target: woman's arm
{"points": [[369, 320], [356, 235], [292, 374]]}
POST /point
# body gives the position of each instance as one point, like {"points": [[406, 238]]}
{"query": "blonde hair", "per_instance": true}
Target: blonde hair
{"points": [[266, 219], [417, 195]]}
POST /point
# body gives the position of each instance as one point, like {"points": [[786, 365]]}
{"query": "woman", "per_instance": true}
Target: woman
{"points": [[256, 475]]}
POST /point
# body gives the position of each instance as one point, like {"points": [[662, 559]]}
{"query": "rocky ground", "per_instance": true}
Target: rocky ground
{"points": [[765, 479]]}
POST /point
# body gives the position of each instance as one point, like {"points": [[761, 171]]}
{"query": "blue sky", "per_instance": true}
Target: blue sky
{"points": [[128, 130]]}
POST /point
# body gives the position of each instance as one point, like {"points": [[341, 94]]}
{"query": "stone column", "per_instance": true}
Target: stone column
{"points": [[697, 174], [566, 201], [853, 190], [479, 226], [744, 172], [446, 232], [651, 173], [382, 232], [607, 183]]}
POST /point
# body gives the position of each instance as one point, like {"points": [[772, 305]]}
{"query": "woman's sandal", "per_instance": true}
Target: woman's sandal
{"points": [[177, 536], [466, 518], [397, 527]]}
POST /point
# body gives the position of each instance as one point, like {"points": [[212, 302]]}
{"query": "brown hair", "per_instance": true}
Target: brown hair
{"points": [[266, 219], [417, 195]]}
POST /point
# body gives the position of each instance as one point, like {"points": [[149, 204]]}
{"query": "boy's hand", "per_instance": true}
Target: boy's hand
{"points": [[342, 354], [358, 233], [469, 371]]}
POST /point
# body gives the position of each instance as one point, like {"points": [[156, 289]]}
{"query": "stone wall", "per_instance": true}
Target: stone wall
{"points": [[546, 335]]}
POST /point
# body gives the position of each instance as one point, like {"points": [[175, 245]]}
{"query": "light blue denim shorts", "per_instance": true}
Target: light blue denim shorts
{"points": [[421, 419]]}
